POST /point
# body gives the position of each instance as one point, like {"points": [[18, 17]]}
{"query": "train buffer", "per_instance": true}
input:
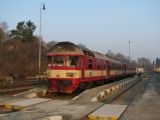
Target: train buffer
{"points": [[108, 112]]}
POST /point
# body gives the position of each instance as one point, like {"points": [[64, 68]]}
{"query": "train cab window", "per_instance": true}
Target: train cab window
{"points": [[72, 61], [50, 60], [58, 61]]}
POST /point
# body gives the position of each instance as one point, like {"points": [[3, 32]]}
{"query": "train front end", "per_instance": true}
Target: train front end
{"points": [[64, 67]]}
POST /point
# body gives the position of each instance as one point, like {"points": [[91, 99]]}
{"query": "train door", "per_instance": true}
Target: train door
{"points": [[106, 69], [82, 66], [109, 69]]}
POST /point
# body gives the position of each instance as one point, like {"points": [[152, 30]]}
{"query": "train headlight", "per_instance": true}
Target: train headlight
{"points": [[70, 74]]}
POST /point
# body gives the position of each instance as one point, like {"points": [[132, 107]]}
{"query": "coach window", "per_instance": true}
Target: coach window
{"points": [[98, 64], [104, 67], [98, 67], [90, 63], [72, 61], [114, 66]]}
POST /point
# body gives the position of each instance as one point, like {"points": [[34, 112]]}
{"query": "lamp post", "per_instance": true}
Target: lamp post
{"points": [[129, 50], [42, 7]]}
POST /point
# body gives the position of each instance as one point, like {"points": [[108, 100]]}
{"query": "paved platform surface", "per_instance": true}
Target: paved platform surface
{"points": [[29, 102], [108, 111], [143, 100]]}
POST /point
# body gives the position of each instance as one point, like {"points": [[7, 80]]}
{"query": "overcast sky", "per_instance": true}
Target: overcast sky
{"points": [[98, 24]]}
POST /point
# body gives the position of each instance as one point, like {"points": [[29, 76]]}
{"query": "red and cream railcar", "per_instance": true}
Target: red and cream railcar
{"points": [[72, 67], [117, 69]]}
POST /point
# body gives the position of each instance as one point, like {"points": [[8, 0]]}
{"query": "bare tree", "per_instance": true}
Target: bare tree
{"points": [[3, 38], [145, 63], [17, 56], [110, 53], [51, 44], [4, 33], [82, 45]]}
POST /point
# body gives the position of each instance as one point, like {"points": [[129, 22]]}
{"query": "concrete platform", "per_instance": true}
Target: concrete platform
{"points": [[32, 93], [143, 100], [71, 109], [108, 112], [29, 102], [55, 117], [24, 103]]}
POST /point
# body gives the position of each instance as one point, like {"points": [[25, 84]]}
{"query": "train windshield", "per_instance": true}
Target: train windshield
{"points": [[72, 61], [56, 60]]}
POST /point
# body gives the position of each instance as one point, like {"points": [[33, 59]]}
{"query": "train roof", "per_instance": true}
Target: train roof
{"points": [[65, 48], [73, 49], [101, 56]]}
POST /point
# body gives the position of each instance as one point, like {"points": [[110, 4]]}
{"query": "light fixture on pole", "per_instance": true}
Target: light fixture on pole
{"points": [[129, 50], [42, 7]]}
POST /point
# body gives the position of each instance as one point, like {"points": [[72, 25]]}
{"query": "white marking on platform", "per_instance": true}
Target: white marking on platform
{"points": [[94, 99], [56, 117], [29, 102], [109, 111]]}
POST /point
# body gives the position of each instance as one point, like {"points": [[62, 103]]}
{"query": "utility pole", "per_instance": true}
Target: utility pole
{"points": [[42, 7], [129, 50]]}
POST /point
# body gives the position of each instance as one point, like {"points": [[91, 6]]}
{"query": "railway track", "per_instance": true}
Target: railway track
{"points": [[19, 86], [70, 107], [104, 110]]}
